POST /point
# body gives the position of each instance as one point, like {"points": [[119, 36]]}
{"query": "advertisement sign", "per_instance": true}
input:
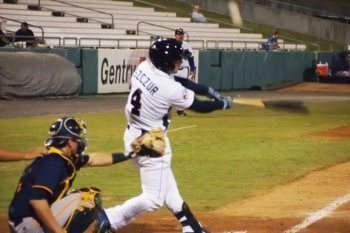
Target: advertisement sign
{"points": [[116, 66]]}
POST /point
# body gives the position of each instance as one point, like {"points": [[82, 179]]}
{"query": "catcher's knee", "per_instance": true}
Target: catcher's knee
{"points": [[87, 213]]}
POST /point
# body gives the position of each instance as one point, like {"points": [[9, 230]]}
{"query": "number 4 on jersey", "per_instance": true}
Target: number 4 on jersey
{"points": [[135, 102]]}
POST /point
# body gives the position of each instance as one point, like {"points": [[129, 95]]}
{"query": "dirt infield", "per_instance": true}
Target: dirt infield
{"points": [[319, 88], [308, 92], [272, 211], [339, 132]]}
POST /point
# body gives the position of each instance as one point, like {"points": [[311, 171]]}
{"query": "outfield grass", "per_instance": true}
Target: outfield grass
{"points": [[228, 156]]}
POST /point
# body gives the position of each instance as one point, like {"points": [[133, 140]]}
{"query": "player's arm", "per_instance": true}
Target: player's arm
{"points": [[199, 89], [43, 211], [191, 63], [210, 106], [11, 155], [43, 187], [98, 159]]}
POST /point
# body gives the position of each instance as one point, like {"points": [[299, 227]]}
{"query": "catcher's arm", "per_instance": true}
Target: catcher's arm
{"points": [[42, 210], [151, 144], [99, 159]]}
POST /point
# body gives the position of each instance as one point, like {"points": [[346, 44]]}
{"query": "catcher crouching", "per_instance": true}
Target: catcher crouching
{"points": [[41, 201]]}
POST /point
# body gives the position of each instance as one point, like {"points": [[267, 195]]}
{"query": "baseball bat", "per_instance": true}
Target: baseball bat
{"points": [[295, 106], [235, 13]]}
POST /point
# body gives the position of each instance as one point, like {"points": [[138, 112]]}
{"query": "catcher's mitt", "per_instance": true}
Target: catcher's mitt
{"points": [[150, 144]]}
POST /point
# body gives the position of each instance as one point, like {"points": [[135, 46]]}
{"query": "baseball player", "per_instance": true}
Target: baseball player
{"points": [[188, 68], [153, 93], [41, 203]]}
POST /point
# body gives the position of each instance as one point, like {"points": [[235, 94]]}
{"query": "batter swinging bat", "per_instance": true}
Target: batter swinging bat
{"points": [[295, 106]]}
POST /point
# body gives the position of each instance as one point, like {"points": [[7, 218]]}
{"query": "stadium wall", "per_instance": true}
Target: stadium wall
{"points": [[228, 70], [108, 71]]}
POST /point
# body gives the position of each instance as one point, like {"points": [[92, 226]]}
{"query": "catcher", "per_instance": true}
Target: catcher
{"points": [[41, 203]]}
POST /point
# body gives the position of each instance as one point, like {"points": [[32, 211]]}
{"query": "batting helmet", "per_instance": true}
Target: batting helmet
{"points": [[64, 129], [164, 52], [179, 31]]}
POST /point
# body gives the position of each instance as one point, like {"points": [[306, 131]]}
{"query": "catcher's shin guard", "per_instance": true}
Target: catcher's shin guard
{"points": [[188, 221], [88, 213], [103, 224]]}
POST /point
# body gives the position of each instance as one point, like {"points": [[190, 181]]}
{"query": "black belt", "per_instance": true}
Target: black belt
{"points": [[142, 130]]}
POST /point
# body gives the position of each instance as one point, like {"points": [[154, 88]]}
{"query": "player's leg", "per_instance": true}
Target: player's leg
{"points": [[180, 209], [153, 191], [151, 199], [27, 225], [75, 212]]}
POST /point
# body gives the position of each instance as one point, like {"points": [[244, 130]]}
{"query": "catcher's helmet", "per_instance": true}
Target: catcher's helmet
{"points": [[164, 52], [64, 129]]}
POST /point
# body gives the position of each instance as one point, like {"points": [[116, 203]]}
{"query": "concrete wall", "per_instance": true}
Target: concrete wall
{"points": [[304, 24], [324, 29]]}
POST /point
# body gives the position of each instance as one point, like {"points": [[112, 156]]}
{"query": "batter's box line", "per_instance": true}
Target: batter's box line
{"points": [[181, 128], [236, 231], [314, 217]]}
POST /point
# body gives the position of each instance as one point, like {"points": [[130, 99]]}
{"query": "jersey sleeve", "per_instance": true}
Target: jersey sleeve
{"points": [[181, 97], [190, 49], [48, 178]]}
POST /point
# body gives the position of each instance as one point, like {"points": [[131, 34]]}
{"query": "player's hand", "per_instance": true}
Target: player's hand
{"points": [[192, 75], [227, 100], [214, 94]]}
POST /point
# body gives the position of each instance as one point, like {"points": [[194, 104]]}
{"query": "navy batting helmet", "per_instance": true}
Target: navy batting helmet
{"points": [[64, 129], [179, 31], [164, 52]]}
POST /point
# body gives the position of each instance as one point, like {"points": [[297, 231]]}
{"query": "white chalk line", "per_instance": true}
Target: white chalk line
{"points": [[181, 128], [235, 232], [314, 217]]}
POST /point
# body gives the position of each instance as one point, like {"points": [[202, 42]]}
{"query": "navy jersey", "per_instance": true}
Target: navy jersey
{"points": [[48, 177], [272, 41], [2, 35]]}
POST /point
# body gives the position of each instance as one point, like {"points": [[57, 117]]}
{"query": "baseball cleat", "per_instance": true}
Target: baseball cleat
{"points": [[181, 113]]}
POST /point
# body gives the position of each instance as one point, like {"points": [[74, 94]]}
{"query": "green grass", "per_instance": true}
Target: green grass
{"points": [[228, 156], [184, 10]]}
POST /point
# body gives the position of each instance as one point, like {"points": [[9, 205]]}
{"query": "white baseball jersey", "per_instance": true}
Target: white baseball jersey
{"points": [[185, 69], [152, 94]]}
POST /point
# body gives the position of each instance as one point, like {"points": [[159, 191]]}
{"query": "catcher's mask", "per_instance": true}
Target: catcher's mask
{"points": [[165, 52], [67, 128]]}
